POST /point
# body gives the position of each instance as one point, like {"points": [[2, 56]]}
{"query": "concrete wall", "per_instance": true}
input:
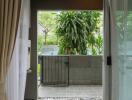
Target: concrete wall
{"points": [[85, 70]]}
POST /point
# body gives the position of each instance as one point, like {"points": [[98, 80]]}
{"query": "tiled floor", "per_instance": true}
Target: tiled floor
{"points": [[76, 92], [70, 98]]}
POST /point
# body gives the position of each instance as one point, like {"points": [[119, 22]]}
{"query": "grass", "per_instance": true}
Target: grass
{"points": [[39, 70]]}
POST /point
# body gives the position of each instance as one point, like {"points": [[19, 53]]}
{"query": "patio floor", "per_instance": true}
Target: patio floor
{"points": [[74, 92]]}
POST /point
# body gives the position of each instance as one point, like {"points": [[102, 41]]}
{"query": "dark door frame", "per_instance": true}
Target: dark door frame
{"points": [[31, 87]]}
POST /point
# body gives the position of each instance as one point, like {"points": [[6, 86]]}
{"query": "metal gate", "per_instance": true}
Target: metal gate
{"points": [[55, 70]]}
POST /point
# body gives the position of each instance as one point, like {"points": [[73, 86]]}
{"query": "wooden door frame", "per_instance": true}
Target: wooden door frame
{"points": [[36, 5]]}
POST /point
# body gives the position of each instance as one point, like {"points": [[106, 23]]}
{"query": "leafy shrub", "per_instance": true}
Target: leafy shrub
{"points": [[76, 31]]}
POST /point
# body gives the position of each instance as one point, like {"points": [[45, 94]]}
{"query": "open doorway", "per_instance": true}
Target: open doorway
{"points": [[70, 51]]}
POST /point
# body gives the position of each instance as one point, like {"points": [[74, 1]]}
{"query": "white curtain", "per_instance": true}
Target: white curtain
{"points": [[16, 79]]}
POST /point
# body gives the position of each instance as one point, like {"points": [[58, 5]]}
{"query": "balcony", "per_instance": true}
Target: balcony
{"points": [[70, 78]]}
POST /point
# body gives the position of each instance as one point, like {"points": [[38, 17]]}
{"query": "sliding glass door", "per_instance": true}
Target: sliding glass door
{"points": [[121, 48]]}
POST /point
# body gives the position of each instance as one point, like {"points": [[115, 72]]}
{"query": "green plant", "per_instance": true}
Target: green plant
{"points": [[39, 71], [99, 44], [76, 30], [40, 43], [47, 27], [72, 33], [92, 43], [47, 20]]}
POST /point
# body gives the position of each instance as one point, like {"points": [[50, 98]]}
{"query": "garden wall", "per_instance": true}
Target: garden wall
{"points": [[85, 70], [76, 70]]}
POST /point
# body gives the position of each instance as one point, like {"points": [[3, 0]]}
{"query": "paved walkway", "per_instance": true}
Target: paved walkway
{"points": [[76, 92]]}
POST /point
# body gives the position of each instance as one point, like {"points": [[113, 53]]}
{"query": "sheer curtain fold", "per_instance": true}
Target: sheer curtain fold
{"points": [[9, 19], [16, 79]]}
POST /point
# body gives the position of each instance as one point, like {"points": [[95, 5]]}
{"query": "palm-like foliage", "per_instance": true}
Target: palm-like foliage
{"points": [[75, 30]]}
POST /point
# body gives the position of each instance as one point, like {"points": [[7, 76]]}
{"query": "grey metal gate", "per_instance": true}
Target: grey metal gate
{"points": [[55, 70]]}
